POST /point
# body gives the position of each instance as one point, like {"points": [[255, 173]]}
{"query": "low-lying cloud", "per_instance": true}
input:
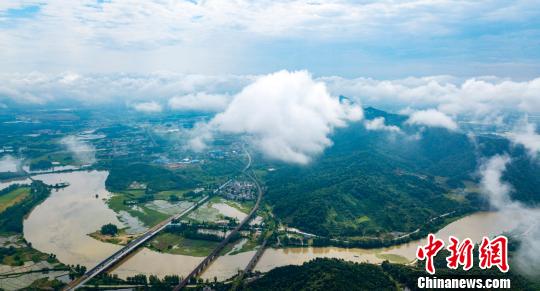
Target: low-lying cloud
{"points": [[288, 116], [200, 102], [432, 118], [527, 219], [527, 136], [148, 107], [378, 124], [82, 151], [496, 190]]}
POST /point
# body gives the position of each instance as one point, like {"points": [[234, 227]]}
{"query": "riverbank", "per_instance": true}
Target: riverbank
{"points": [[301, 239], [61, 225]]}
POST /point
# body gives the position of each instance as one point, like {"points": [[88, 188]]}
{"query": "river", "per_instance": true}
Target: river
{"points": [[61, 223]]}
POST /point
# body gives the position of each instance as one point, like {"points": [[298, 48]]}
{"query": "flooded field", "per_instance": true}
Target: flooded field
{"points": [[227, 210], [60, 225], [168, 207]]}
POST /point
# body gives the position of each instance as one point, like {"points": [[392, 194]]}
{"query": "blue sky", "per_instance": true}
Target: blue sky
{"points": [[27, 11], [382, 39]]}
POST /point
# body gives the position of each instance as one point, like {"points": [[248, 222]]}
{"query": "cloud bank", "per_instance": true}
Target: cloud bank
{"points": [[82, 151], [481, 98], [438, 101], [106, 89], [287, 115]]}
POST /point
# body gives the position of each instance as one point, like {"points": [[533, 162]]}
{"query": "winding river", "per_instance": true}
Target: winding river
{"points": [[61, 223]]}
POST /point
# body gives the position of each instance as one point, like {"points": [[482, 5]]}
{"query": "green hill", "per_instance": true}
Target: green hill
{"points": [[325, 274], [371, 182]]}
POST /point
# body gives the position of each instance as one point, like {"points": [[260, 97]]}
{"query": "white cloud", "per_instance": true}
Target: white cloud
{"points": [[286, 115], [491, 183], [526, 219], [526, 136], [200, 102], [199, 136], [484, 99], [83, 152], [379, 124], [477, 98], [432, 118], [40, 88], [125, 23], [148, 107]]}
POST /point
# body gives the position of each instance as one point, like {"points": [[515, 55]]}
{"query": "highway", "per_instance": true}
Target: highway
{"points": [[130, 247], [215, 253]]}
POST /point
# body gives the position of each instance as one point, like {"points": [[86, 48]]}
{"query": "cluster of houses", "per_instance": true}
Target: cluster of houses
{"points": [[238, 190]]}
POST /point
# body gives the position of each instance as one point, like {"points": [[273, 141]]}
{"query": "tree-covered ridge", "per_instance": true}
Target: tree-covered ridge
{"points": [[334, 274], [325, 274], [373, 182]]}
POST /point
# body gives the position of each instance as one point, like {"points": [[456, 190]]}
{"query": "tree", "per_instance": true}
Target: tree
{"points": [[109, 229], [154, 280], [171, 280]]}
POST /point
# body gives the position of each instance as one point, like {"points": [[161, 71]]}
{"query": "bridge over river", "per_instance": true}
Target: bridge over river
{"points": [[115, 258], [215, 253], [124, 252]]}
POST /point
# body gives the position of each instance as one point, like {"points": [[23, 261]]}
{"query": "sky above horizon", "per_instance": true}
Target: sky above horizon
{"points": [[380, 39]]}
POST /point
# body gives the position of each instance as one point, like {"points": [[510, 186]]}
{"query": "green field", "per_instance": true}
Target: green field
{"points": [[177, 244], [63, 157], [205, 213], [13, 197]]}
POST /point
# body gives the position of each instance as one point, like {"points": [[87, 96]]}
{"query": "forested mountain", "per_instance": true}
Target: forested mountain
{"points": [[373, 182]]}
